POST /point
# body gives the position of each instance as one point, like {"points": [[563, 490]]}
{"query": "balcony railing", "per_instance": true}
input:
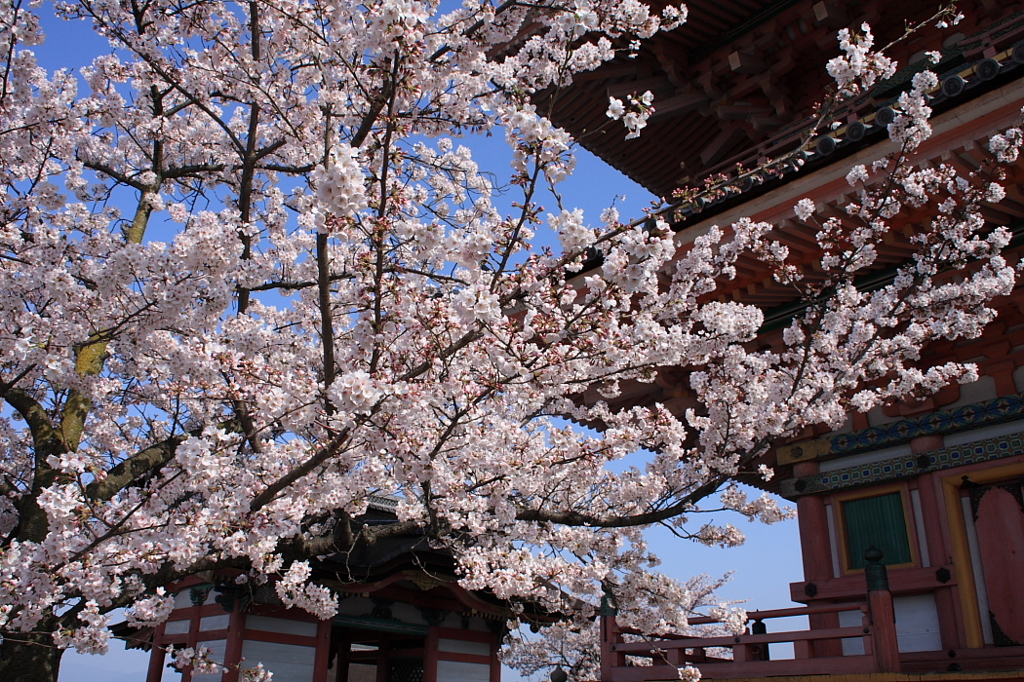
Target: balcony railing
{"points": [[751, 650]]}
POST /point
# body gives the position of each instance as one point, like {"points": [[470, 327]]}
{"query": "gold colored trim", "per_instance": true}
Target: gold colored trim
{"points": [[804, 451], [961, 548]]}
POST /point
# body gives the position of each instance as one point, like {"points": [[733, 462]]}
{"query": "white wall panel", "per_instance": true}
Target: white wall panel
{"points": [[853, 646], [917, 623], [283, 626], [457, 671], [288, 662], [217, 648], [183, 599], [462, 646], [218, 622], [177, 627]]}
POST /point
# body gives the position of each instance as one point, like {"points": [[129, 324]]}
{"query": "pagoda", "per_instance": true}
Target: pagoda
{"points": [[911, 515]]}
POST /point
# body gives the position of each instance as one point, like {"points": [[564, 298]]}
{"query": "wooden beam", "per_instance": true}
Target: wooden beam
{"points": [[729, 135], [677, 104], [607, 72], [653, 83], [766, 124], [667, 56], [830, 13], [741, 62], [742, 111], [706, 81]]}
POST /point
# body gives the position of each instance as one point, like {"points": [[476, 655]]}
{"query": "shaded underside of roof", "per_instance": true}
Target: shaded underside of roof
{"points": [[737, 83]]}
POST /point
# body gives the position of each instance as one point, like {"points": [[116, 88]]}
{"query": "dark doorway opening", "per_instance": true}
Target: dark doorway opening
{"points": [[362, 655]]}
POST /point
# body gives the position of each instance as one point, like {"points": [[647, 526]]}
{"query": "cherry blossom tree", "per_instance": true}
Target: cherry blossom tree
{"points": [[313, 299]]}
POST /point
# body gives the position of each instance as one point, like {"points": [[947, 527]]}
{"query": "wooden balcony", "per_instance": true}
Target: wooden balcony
{"points": [[629, 656], [750, 650]]}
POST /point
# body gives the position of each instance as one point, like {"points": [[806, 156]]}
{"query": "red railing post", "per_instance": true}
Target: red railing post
{"points": [[610, 635], [803, 648], [869, 641], [759, 628], [883, 617]]}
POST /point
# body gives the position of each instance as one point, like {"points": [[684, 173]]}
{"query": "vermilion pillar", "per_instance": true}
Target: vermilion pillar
{"points": [[817, 557]]}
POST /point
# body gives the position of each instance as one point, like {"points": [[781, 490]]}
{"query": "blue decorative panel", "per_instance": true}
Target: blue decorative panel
{"points": [[905, 466], [995, 411]]}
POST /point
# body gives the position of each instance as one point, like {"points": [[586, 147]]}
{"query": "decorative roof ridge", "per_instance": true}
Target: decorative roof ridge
{"points": [[387, 503]]}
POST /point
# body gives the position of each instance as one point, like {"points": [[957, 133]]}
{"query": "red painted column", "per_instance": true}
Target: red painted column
{"points": [[814, 541], [495, 663], [933, 512], [233, 645], [610, 659], [156, 657], [816, 551], [383, 654], [323, 651], [883, 616], [430, 655], [342, 661], [883, 619]]}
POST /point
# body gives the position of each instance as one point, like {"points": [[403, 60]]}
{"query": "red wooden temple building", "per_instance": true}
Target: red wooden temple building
{"points": [[402, 618], [935, 485]]}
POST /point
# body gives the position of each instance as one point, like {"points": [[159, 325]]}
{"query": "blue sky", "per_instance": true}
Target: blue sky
{"points": [[762, 568]]}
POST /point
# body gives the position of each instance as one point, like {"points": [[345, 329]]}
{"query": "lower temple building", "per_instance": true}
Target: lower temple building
{"points": [[402, 617]]}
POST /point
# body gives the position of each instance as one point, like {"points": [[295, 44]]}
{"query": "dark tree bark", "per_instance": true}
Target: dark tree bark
{"points": [[29, 657]]}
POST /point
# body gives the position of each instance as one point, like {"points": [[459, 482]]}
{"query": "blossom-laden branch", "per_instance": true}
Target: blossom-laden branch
{"points": [[316, 301]]}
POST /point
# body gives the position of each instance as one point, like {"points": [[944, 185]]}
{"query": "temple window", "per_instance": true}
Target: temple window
{"points": [[879, 520]]}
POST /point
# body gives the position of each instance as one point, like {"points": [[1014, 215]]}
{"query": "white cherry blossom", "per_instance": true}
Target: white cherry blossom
{"points": [[253, 282]]}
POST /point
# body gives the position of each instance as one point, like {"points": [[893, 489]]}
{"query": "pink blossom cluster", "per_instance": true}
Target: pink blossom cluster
{"points": [[339, 183], [635, 116], [305, 298], [860, 67], [199, 659]]}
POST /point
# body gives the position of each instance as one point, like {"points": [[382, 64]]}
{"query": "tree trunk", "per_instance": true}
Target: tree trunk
{"points": [[30, 657]]}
